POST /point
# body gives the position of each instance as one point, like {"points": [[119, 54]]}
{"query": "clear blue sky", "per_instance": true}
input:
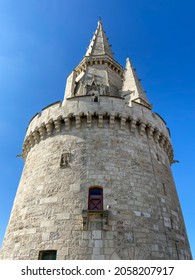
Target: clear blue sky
{"points": [[41, 41]]}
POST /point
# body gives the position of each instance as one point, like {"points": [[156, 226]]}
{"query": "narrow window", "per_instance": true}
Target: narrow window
{"points": [[177, 249], [47, 255], [157, 156], [164, 189], [95, 201], [171, 221], [95, 99]]}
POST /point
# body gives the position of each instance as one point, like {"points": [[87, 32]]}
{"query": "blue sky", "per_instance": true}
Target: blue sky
{"points": [[41, 41]]}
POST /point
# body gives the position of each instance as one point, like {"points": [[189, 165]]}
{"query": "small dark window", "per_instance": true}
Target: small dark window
{"points": [[171, 221], [164, 189], [95, 201], [47, 255], [95, 99]]}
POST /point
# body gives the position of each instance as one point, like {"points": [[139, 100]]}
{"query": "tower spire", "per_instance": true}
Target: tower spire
{"points": [[99, 44], [98, 73], [132, 85]]}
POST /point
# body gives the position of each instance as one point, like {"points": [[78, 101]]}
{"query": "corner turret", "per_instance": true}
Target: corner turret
{"points": [[132, 89]]}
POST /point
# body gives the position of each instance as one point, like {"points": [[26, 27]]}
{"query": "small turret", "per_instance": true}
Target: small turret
{"points": [[132, 89]]}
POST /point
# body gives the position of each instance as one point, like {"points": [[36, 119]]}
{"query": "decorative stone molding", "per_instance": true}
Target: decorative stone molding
{"points": [[123, 122], [42, 131], [57, 124], [88, 119], [78, 121], [112, 119], [54, 126], [150, 131], [156, 135], [142, 128], [65, 160], [36, 136], [133, 125], [162, 140], [67, 123], [99, 217], [49, 127], [100, 120], [113, 65], [31, 140]]}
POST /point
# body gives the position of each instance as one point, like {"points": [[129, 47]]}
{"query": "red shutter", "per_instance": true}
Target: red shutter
{"points": [[95, 199]]}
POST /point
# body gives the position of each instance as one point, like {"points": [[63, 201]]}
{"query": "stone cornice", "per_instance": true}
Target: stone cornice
{"points": [[99, 60]]}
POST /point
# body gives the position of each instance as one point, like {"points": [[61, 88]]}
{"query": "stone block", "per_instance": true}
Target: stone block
{"points": [[45, 236], [108, 251], [75, 187], [63, 216], [48, 200], [96, 251], [86, 235], [63, 252], [30, 231], [98, 257], [96, 234], [47, 224], [111, 235], [137, 213], [98, 243]]}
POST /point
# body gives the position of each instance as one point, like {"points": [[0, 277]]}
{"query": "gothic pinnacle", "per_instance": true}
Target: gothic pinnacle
{"points": [[132, 84]]}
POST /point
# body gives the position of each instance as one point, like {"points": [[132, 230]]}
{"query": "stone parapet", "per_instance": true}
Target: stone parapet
{"points": [[81, 113]]}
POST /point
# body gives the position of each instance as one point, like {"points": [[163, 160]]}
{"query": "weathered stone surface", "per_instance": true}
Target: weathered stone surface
{"points": [[131, 176], [118, 145]]}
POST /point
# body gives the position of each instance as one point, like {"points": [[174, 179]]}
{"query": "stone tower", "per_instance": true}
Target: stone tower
{"points": [[97, 182]]}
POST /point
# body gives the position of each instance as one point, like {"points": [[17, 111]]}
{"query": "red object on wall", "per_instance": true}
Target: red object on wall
{"points": [[95, 201]]}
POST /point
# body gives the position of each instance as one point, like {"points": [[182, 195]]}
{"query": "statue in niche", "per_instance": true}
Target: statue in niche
{"points": [[65, 160], [102, 90], [93, 89]]}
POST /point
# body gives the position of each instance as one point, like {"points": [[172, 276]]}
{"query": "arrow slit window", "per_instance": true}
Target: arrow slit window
{"points": [[95, 200]]}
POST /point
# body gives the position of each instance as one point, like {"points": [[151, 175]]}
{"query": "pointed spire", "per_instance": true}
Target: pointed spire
{"points": [[132, 84], [98, 71], [99, 44]]}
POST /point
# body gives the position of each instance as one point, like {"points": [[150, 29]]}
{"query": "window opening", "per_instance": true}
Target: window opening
{"points": [[164, 189], [47, 255], [157, 156], [95, 201], [95, 99], [171, 221]]}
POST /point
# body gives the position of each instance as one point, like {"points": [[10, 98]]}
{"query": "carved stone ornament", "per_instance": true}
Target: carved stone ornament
{"points": [[98, 217], [65, 160]]}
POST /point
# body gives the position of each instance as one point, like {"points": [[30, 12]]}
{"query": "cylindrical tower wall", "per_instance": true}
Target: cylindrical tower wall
{"points": [[70, 149]]}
